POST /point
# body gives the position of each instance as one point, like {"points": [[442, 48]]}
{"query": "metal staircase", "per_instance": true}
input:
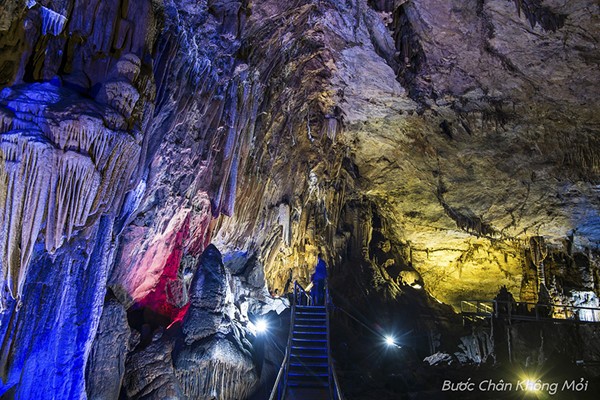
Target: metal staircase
{"points": [[307, 371]]}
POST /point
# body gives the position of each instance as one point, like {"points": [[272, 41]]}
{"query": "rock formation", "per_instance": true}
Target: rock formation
{"points": [[106, 362]]}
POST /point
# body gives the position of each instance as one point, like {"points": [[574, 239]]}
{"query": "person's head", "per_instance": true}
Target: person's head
{"points": [[320, 256]]}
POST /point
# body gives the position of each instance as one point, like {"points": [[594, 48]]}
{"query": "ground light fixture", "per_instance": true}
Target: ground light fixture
{"points": [[530, 384], [261, 326], [390, 341]]}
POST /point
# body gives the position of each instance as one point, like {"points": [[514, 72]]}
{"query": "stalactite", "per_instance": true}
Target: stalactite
{"points": [[410, 56], [52, 22], [58, 173], [23, 163], [509, 344], [239, 117], [284, 220], [536, 13], [331, 129], [470, 224], [134, 199], [538, 253], [217, 378]]}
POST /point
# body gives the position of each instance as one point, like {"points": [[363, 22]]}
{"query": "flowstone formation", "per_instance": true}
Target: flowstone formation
{"points": [[168, 169]]}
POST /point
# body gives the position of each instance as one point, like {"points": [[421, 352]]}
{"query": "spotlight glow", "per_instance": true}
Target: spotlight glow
{"points": [[390, 341], [261, 326], [530, 385]]}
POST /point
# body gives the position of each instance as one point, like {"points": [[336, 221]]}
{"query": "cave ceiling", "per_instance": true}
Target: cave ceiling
{"points": [[472, 126], [487, 139]]}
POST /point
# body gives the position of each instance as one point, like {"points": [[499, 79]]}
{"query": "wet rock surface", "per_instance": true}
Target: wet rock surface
{"points": [[149, 372], [106, 363], [207, 299]]}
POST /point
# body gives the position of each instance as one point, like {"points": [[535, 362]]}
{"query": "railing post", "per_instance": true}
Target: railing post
{"points": [[279, 390], [330, 380]]}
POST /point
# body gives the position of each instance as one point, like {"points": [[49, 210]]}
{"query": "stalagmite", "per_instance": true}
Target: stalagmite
{"points": [[220, 371]]}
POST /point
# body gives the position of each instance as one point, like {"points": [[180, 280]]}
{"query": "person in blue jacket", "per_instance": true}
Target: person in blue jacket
{"points": [[318, 280]]}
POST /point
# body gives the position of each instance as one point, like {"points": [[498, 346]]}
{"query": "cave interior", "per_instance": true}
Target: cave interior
{"points": [[170, 171]]}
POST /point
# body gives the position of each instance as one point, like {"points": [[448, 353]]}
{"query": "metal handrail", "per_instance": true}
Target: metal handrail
{"points": [[513, 310], [302, 297], [338, 391], [279, 388], [333, 379], [479, 306], [275, 392], [471, 301], [300, 291]]}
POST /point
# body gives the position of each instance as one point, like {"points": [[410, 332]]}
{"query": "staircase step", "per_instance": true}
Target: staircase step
{"points": [[320, 316], [304, 353], [311, 314], [299, 376], [315, 313], [318, 372], [309, 357], [308, 331], [316, 363], [312, 321], [304, 347], [306, 383], [312, 333], [306, 312], [312, 326], [308, 351], [301, 380], [309, 340], [312, 317], [309, 364], [299, 393], [303, 325], [305, 337]]}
